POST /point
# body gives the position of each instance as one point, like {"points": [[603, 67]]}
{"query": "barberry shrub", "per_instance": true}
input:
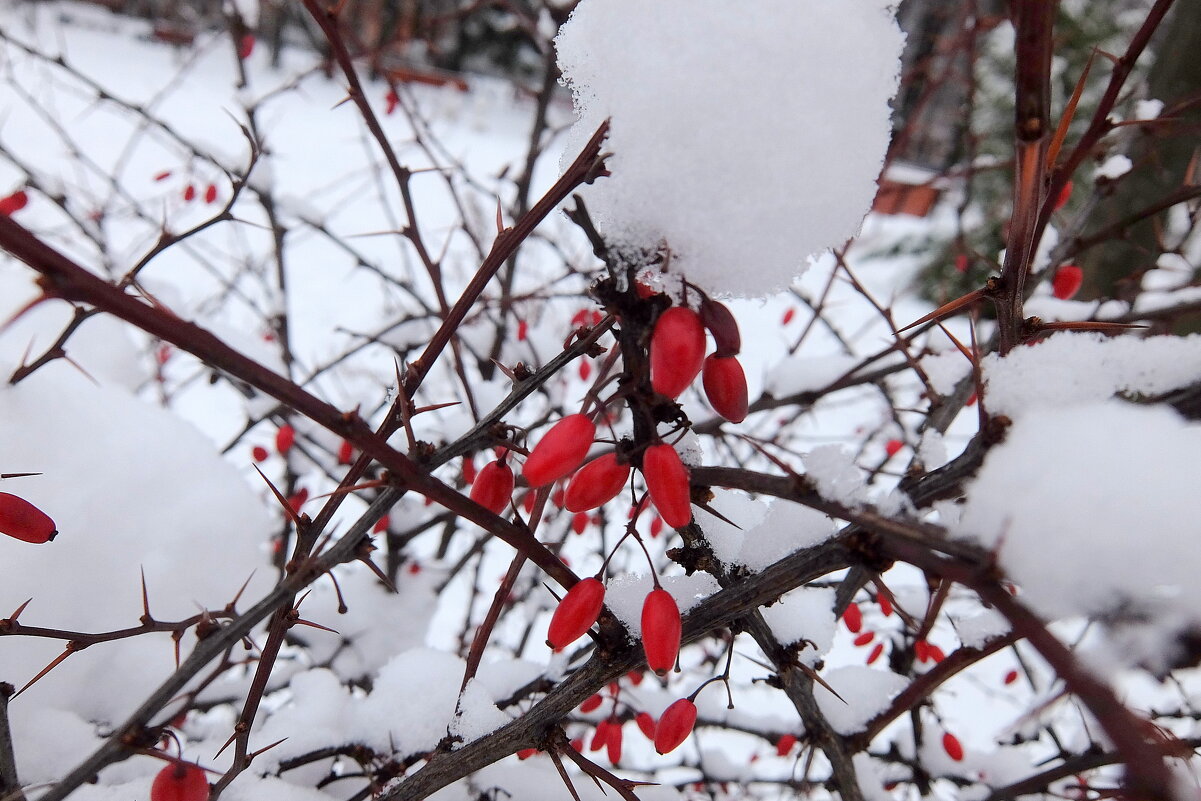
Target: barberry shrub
{"points": [[351, 449]]}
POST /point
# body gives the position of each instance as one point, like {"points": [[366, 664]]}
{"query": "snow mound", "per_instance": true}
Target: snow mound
{"points": [[719, 144]]}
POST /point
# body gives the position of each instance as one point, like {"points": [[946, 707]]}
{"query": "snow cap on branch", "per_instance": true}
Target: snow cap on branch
{"points": [[722, 140]]}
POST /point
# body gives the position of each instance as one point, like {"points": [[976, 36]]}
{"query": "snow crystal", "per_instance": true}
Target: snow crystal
{"points": [[1077, 367], [735, 137], [1113, 168], [806, 613], [1093, 505], [834, 473], [865, 693]]}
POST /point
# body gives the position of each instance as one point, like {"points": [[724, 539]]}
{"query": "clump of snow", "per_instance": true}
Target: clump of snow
{"points": [[806, 613], [932, 450], [1148, 109], [976, 630], [865, 693], [945, 370], [1079, 367], [624, 595], [1093, 505], [798, 374], [1113, 168], [834, 473], [477, 715], [718, 142]]}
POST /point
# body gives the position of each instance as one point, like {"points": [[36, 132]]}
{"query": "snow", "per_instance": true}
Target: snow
{"points": [[1113, 168], [864, 691], [804, 614], [1090, 546], [715, 150], [835, 474]]}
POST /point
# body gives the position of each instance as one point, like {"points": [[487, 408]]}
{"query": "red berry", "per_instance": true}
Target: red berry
{"points": [[725, 387], [921, 650], [785, 744], [284, 438], [788, 315], [345, 452], [189, 193], [675, 725], [677, 350], [646, 724], [720, 321], [961, 262], [576, 613], [635, 677], [660, 630], [14, 202], [526, 753], [181, 781], [493, 487], [1011, 677], [597, 483], [1067, 281], [613, 743], [601, 737], [591, 703], [875, 654], [1062, 198], [656, 526], [585, 369], [935, 653], [259, 453], [892, 446], [560, 451], [210, 194], [391, 101], [162, 176], [579, 522], [865, 638], [951, 744], [885, 604], [523, 330], [245, 46], [381, 525], [853, 618], [298, 499], [21, 520], [668, 485]]}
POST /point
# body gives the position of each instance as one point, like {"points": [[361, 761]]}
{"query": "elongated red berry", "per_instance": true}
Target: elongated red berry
{"points": [[576, 613], [892, 447], [951, 744], [646, 725], [21, 520], [560, 451], [660, 630], [345, 452], [613, 743], [853, 618], [885, 604], [875, 654], [785, 744], [526, 753], [720, 321], [865, 638], [677, 350], [493, 486], [180, 781], [601, 737], [592, 702], [675, 724], [597, 483], [1062, 198], [1011, 677], [284, 438], [668, 484], [210, 194], [245, 46], [1067, 281], [725, 387], [189, 193], [14, 202]]}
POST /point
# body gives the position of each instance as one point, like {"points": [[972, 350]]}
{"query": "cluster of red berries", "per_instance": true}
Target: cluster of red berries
{"points": [[672, 728], [678, 356], [21, 520]]}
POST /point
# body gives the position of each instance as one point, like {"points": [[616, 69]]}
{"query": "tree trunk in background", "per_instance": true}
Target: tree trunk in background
{"points": [[1161, 156]]}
